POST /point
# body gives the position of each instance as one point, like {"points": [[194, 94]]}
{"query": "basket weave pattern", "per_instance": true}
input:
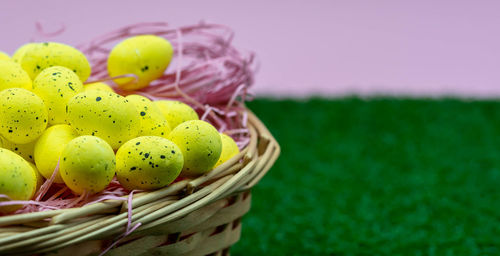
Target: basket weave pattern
{"points": [[190, 217]]}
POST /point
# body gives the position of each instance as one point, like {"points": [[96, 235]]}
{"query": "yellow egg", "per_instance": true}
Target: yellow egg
{"points": [[24, 150], [200, 144], [56, 86], [152, 121], [148, 163], [229, 149], [23, 115], [88, 164], [45, 55], [104, 114], [176, 112], [17, 179], [99, 86], [19, 53], [13, 76], [39, 178], [146, 56], [48, 149], [4, 56]]}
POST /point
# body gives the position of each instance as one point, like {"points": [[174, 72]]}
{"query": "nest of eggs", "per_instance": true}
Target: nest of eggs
{"points": [[206, 79]]}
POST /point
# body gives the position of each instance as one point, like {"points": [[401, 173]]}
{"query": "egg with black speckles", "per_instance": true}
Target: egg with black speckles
{"points": [[88, 164], [99, 86], [4, 56], [176, 112], [104, 114], [48, 149], [19, 53], [26, 151], [56, 86], [148, 162], [200, 144], [23, 115], [152, 121], [229, 149], [45, 55], [17, 179], [146, 56], [13, 76]]}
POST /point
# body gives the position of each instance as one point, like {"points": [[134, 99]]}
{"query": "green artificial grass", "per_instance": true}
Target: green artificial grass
{"points": [[378, 177]]}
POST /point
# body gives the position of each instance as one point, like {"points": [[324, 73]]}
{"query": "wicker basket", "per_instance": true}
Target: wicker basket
{"points": [[190, 217]]}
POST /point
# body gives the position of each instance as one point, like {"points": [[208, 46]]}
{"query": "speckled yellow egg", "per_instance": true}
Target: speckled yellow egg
{"points": [[4, 56], [17, 179], [104, 114], [56, 86], [23, 115], [19, 53], [45, 55], [39, 178], [146, 56], [13, 76], [200, 144], [87, 165], [26, 151], [148, 163], [99, 86], [48, 149], [229, 149], [152, 121], [176, 112]]}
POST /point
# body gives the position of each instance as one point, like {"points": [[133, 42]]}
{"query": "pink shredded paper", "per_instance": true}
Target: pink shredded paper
{"points": [[207, 71]]}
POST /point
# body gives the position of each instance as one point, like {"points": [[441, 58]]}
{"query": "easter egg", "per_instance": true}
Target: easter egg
{"points": [[23, 115], [19, 53], [200, 144], [56, 86], [4, 56], [152, 121], [13, 76], [17, 179], [148, 162], [44, 55], [26, 151], [146, 56], [104, 114], [98, 86], [39, 177], [88, 164], [176, 112], [229, 149], [48, 149]]}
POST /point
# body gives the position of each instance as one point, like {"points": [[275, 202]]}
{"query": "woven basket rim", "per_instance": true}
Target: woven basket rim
{"points": [[51, 230]]}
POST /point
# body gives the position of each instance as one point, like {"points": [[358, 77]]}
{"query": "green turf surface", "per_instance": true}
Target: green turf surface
{"points": [[378, 177]]}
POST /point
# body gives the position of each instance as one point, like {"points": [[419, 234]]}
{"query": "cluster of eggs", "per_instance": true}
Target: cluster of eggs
{"points": [[49, 117]]}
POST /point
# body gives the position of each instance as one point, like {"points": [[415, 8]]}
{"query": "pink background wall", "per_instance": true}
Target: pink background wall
{"points": [[428, 48]]}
